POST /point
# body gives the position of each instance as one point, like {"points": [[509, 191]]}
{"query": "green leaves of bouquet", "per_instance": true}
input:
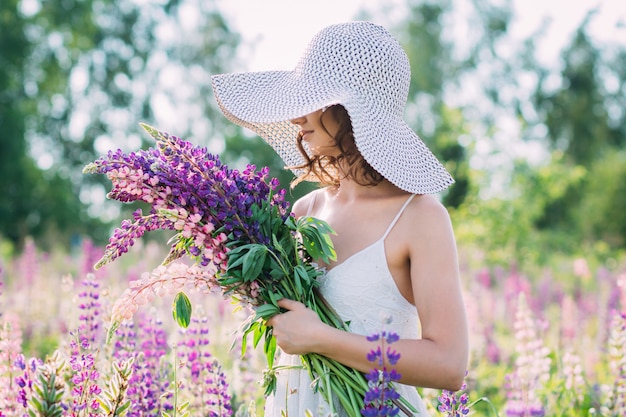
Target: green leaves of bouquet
{"points": [[287, 272]]}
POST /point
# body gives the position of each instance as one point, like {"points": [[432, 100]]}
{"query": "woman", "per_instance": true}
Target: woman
{"points": [[338, 119]]}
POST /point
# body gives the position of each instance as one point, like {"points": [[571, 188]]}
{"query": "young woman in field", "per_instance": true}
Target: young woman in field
{"points": [[337, 118]]}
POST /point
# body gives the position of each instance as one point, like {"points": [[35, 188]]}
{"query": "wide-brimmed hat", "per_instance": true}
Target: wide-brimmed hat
{"points": [[359, 65]]}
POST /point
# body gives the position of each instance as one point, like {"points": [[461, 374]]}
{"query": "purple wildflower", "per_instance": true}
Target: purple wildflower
{"points": [[381, 396], [25, 379], [206, 203], [205, 379], [90, 315], [191, 192], [150, 377], [454, 404], [84, 379], [235, 227]]}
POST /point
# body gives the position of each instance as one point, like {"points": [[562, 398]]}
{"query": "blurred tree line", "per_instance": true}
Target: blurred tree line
{"points": [[77, 76]]}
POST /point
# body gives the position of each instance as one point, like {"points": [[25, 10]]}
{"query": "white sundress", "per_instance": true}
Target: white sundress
{"points": [[363, 292]]}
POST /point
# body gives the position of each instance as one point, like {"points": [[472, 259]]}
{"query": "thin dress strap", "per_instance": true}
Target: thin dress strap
{"points": [[393, 222], [311, 203]]}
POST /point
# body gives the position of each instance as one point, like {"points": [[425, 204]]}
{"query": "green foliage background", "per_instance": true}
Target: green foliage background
{"points": [[77, 77]]}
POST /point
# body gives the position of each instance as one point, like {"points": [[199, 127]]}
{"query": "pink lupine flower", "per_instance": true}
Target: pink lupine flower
{"points": [[10, 350], [532, 366], [163, 280]]}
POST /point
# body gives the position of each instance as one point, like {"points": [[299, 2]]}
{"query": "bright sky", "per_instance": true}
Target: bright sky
{"points": [[280, 29]]}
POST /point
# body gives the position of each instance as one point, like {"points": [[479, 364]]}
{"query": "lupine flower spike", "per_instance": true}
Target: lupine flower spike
{"points": [[454, 404], [532, 366], [381, 397]]}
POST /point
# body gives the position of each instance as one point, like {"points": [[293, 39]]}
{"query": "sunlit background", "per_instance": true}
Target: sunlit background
{"points": [[502, 91], [524, 101]]}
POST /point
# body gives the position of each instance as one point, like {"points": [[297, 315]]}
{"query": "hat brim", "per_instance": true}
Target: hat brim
{"points": [[265, 102]]}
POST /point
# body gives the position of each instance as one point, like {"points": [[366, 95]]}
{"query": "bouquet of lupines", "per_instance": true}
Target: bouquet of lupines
{"points": [[237, 229]]}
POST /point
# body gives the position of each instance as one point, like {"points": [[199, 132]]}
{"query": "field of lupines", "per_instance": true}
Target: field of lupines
{"points": [[550, 342]]}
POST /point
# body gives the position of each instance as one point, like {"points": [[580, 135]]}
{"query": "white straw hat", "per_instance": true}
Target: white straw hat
{"points": [[358, 65]]}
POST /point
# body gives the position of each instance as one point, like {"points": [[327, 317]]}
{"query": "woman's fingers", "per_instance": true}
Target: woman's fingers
{"points": [[288, 304]]}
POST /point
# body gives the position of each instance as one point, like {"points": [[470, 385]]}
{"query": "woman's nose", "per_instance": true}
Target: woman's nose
{"points": [[298, 120]]}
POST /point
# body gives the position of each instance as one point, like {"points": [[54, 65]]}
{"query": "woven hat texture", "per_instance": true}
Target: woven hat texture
{"points": [[359, 65]]}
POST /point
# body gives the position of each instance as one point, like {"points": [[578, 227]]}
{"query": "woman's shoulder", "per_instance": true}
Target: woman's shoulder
{"points": [[304, 204], [426, 209]]}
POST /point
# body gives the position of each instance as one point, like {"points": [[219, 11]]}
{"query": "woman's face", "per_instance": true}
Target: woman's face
{"points": [[318, 130]]}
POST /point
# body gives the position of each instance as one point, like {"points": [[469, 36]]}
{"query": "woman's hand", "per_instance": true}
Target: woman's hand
{"points": [[297, 330]]}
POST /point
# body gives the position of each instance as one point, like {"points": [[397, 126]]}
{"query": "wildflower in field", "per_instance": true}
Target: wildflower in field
{"points": [[84, 379], [24, 380], [532, 366], [615, 402], [581, 268], [381, 397], [203, 376], [149, 384], [570, 321], [10, 350], [454, 404], [574, 379], [90, 311]]}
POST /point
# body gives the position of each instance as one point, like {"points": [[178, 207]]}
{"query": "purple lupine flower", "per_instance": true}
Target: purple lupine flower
{"points": [[149, 383], [192, 193], [205, 379], [84, 379], [25, 379], [91, 311], [381, 396], [218, 401], [454, 404]]}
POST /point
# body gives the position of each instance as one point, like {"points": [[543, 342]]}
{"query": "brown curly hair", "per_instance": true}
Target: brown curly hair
{"points": [[350, 163]]}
